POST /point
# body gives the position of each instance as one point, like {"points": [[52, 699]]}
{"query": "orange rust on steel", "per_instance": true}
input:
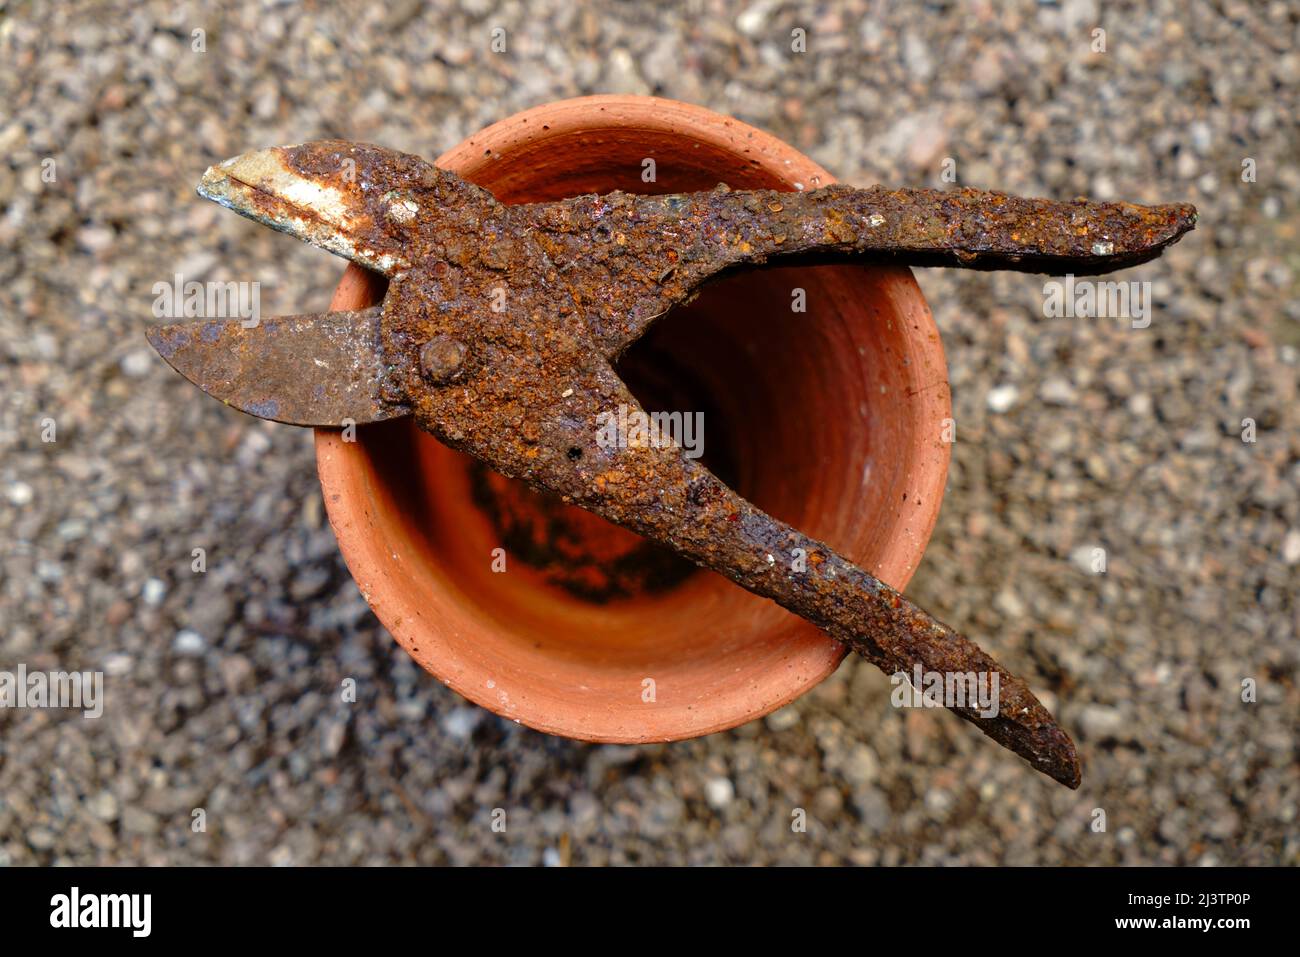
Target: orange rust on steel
{"points": [[500, 329], [265, 365]]}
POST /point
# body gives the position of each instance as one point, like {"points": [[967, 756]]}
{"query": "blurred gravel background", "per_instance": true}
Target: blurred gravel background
{"points": [[1073, 434]]}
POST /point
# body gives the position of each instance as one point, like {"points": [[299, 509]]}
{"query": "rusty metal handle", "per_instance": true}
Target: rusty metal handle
{"points": [[772, 559], [632, 258], [970, 228]]}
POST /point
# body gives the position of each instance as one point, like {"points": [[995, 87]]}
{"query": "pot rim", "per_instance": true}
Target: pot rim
{"points": [[647, 113]]}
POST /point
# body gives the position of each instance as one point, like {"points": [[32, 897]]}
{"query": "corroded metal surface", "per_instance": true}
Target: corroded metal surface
{"points": [[501, 324], [318, 370], [642, 255]]}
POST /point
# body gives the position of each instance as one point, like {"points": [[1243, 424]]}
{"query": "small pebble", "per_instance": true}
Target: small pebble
{"points": [[153, 592], [719, 792], [1002, 398], [1291, 547], [19, 494], [783, 719], [138, 363], [188, 642]]}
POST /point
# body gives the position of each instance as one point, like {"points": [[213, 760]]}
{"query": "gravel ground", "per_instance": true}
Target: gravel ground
{"points": [[1073, 434]]}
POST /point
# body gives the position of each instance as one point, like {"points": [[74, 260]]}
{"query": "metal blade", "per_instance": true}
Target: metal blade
{"points": [[323, 193], [317, 370]]}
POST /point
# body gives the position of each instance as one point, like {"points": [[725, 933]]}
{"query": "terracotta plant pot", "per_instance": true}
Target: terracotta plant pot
{"points": [[830, 419]]}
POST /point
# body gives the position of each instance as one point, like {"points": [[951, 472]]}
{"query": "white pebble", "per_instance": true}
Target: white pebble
{"points": [[19, 493], [861, 767], [117, 664], [1001, 398], [103, 806], [1057, 391], [719, 792], [783, 720], [1100, 721], [188, 642], [153, 591], [1084, 558], [137, 364], [461, 722], [1291, 547]]}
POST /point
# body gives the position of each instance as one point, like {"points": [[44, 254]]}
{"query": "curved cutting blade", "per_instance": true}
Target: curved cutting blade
{"points": [[317, 370], [356, 200]]}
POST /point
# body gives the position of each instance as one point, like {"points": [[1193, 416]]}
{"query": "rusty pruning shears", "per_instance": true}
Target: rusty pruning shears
{"points": [[501, 325]]}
